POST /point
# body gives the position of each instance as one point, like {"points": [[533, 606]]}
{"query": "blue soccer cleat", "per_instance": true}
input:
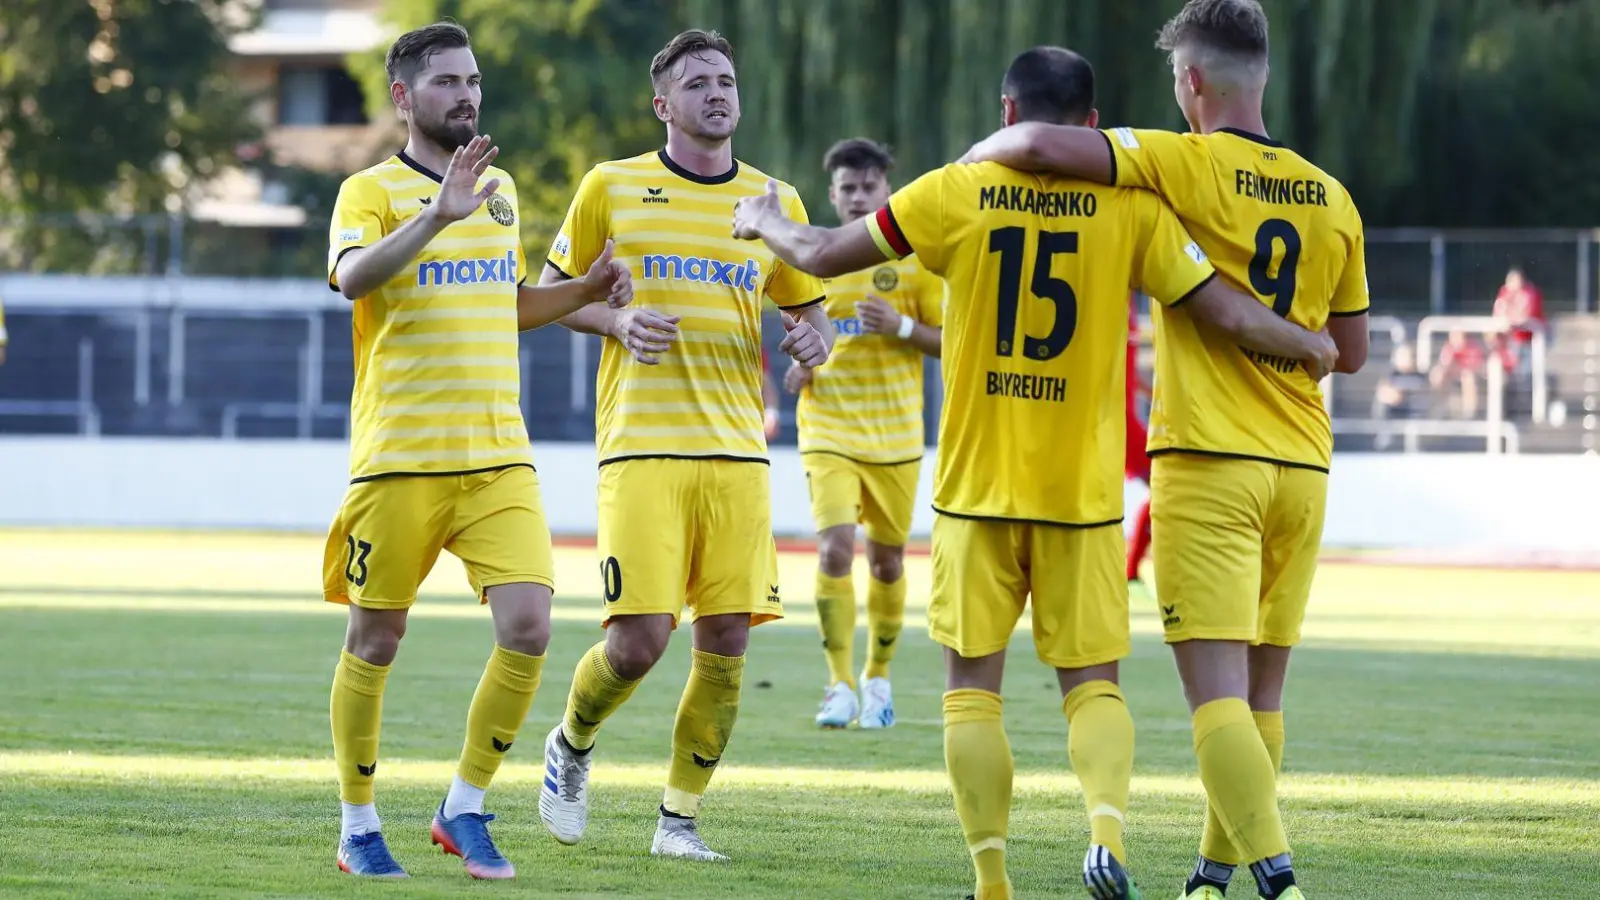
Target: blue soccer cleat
{"points": [[467, 836], [368, 855]]}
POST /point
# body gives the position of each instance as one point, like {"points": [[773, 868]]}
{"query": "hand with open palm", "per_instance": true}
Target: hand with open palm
{"points": [[459, 194]]}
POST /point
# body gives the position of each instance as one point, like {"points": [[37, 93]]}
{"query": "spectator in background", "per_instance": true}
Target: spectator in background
{"points": [[1460, 360], [1402, 393], [1521, 303]]}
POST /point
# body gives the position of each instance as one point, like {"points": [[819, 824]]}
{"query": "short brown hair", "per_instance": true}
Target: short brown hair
{"points": [[1237, 28], [859, 154], [412, 51], [694, 41]]}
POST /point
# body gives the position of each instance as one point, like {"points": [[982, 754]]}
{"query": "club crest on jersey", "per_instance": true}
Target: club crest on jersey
{"points": [[702, 269], [885, 278], [500, 210], [487, 270]]}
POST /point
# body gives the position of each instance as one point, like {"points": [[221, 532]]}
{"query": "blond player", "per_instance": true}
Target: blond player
{"points": [[1028, 484], [685, 504], [860, 424], [1240, 439], [425, 245]]}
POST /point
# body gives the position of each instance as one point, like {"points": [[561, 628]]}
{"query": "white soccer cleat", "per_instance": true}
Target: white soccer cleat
{"points": [[839, 707], [678, 838], [877, 703], [564, 796]]}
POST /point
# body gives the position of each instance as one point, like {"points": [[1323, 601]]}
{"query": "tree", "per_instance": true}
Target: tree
{"points": [[109, 106]]}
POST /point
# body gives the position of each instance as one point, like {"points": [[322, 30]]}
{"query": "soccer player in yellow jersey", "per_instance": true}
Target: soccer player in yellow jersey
{"points": [[860, 424], [4, 338], [1028, 484], [685, 504], [425, 245], [1240, 439]]}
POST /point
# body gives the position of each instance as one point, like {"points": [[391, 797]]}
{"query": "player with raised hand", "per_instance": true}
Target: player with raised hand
{"points": [[860, 427], [1028, 483], [425, 244], [1241, 440], [685, 500]]}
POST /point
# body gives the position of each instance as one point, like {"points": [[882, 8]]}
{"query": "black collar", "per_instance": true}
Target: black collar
{"points": [[419, 167], [681, 172], [1250, 136]]}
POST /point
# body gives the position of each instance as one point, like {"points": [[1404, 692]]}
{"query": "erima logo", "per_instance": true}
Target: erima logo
{"points": [[704, 763], [653, 195], [850, 326], [704, 270], [886, 642], [772, 594], [488, 270], [368, 771], [499, 747]]}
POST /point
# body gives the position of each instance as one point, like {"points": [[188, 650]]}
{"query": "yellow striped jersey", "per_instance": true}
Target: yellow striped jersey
{"points": [[673, 229], [437, 382], [3, 336], [865, 402], [1040, 269], [1279, 227]]}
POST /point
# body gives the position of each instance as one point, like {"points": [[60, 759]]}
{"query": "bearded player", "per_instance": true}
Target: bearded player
{"points": [[425, 245], [1028, 484], [861, 441], [1241, 439], [685, 502]]}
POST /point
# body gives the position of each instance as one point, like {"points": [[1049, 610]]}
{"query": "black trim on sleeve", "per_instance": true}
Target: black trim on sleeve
{"points": [[523, 282], [1192, 291], [954, 515], [1217, 454], [419, 167], [1113, 151], [687, 175], [1252, 137], [334, 287], [557, 269], [1357, 312], [806, 305]]}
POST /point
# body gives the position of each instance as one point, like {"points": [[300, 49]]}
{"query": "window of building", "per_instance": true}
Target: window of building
{"points": [[319, 95]]}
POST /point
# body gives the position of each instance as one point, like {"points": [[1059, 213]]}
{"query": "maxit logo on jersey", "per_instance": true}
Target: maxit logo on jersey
{"points": [[703, 269], [487, 270], [847, 327]]}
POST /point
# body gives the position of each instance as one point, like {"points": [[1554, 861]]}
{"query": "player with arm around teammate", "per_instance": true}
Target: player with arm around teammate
{"points": [[1028, 483], [1239, 486], [425, 246], [861, 442], [685, 501]]}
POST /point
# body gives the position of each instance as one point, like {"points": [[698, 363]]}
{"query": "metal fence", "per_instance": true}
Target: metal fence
{"points": [[1413, 272]]}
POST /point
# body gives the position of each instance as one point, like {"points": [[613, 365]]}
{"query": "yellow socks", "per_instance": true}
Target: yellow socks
{"points": [[1100, 744], [705, 720], [1214, 843], [1238, 775], [498, 707], [597, 692], [977, 756], [886, 607], [356, 710], [836, 615]]}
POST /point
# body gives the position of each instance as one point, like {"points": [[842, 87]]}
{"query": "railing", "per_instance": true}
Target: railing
{"points": [[83, 408], [1495, 375], [1498, 434]]}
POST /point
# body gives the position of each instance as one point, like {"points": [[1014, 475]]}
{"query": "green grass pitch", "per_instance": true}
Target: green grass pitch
{"points": [[164, 733]]}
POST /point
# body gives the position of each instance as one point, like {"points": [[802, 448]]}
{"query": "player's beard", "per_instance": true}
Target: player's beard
{"points": [[450, 134], [710, 130]]}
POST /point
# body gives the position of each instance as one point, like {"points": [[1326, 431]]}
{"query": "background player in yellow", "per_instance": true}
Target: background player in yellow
{"points": [[4, 338], [1028, 483], [425, 243], [861, 441], [1240, 485], [685, 500]]}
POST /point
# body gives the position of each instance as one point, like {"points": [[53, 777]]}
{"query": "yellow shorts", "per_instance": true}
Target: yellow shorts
{"points": [[985, 570], [389, 532], [696, 532], [877, 495], [1235, 543]]}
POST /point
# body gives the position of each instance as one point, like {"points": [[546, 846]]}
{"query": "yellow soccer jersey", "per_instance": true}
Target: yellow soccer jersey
{"points": [[672, 229], [866, 401], [1275, 225], [1041, 270], [3, 336], [437, 383]]}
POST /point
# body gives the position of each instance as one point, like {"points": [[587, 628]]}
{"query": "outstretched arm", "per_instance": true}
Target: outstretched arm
{"points": [[608, 284], [1256, 327], [1036, 147], [824, 252]]}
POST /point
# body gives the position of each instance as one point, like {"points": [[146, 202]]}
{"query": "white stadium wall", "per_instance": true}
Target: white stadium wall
{"points": [[1434, 502]]}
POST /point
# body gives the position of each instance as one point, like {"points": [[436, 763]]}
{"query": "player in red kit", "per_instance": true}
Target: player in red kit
{"points": [[1138, 461]]}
